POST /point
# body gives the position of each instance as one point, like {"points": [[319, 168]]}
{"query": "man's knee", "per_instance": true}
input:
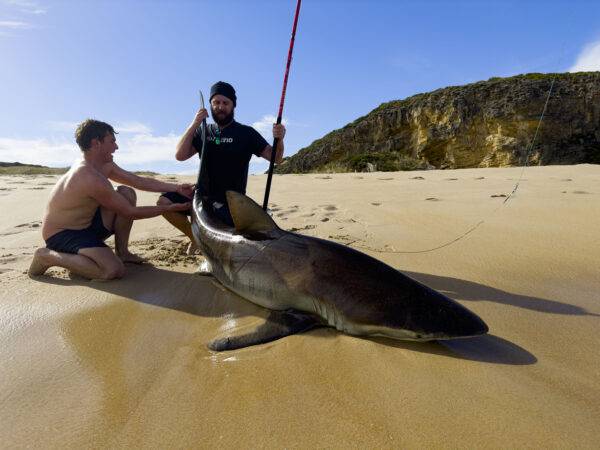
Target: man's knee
{"points": [[128, 193], [112, 271], [163, 201]]}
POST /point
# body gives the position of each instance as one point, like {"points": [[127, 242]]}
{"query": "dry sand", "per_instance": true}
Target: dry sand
{"points": [[124, 364]]}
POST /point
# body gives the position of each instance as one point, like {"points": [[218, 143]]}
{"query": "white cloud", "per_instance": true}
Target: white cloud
{"points": [[145, 148], [589, 59], [39, 151], [133, 128], [25, 6], [137, 147], [258, 165], [15, 25], [265, 126]]}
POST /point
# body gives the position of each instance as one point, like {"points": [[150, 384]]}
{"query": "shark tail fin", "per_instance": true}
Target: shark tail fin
{"points": [[248, 216], [279, 324]]}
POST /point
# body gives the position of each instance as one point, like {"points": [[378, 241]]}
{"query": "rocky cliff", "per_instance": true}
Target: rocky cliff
{"points": [[485, 124]]}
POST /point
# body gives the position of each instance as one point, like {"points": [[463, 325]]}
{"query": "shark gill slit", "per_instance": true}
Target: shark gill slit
{"points": [[252, 257]]}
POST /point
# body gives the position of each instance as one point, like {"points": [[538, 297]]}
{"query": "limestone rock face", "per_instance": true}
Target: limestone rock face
{"points": [[486, 124]]}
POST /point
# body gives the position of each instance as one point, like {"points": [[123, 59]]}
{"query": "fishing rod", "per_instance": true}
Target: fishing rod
{"points": [[279, 115]]}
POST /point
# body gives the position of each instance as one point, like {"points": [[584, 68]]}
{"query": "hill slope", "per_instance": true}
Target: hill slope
{"points": [[485, 124]]}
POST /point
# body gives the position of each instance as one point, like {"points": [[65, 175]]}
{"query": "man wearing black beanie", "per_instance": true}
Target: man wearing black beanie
{"points": [[229, 147]]}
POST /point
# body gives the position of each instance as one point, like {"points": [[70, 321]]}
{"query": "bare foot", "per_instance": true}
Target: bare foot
{"points": [[38, 265], [128, 257]]}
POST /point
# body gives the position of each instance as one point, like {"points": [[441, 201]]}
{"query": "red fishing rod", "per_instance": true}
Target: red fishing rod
{"points": [[285, 80]]}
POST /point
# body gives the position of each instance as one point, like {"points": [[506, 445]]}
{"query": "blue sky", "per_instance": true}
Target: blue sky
{"points": [[139, 64]]}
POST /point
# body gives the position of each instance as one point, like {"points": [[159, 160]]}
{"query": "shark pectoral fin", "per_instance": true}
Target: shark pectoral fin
{"points": [[248, 216], [279, 324]]}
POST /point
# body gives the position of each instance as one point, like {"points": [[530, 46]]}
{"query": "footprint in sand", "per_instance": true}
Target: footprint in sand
{"points": [[306, 227], [22, 228], [30, 224], [343, 238], [385, 179], [324, 178], [581, 192], [308, 215], [291, 210], [7, 189], [567, 179], [36, 188], [417, 178], [375, 204], [15, 182], [432, 199], [451, 179], [7, 259], [498, 195], [480, 178], [328, 207], [358, 178]]}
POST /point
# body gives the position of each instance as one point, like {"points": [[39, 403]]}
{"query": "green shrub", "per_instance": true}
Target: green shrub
{"points": [[383, 162]]}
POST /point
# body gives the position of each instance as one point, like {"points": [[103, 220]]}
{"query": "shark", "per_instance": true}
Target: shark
{"points": [[309, 282]]}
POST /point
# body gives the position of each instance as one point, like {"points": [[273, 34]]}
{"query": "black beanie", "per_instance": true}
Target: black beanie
{"points": [[225, 89]]}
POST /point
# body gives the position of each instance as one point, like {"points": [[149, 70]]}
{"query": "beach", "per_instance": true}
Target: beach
{"points": [[125, 363]]}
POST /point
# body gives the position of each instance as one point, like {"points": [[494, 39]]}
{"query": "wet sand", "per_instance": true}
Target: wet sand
{"points": [[124, 364]]}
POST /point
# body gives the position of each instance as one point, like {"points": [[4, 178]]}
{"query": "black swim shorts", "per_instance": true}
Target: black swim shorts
{"points": [[71, 241], [221, 210], [176, 197]]}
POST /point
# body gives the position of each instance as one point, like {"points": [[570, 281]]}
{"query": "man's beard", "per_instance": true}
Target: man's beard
{"points": [[224, 121]]}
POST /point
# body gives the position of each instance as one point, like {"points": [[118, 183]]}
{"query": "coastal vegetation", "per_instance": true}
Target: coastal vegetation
{"points": [[485, 124]]}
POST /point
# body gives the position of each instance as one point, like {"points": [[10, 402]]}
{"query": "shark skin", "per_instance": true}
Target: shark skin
{"points": [[309, 282]]}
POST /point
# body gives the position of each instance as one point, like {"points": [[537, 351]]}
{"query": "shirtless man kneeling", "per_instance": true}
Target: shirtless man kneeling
{"points": [[84, 210]]}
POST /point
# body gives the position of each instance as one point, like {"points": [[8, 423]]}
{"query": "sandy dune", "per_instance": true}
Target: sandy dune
{"points": [[125, 364]]}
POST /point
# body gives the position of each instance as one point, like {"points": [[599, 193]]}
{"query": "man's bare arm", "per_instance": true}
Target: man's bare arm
{"points": [[102, 191], [279, 133], [143, 183], [185, 149]]}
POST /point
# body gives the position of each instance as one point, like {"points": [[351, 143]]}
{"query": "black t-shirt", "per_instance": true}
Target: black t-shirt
{"points": [[227, 162]]}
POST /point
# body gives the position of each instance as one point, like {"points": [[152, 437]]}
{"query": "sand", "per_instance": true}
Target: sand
{"points": [[124, 364]]}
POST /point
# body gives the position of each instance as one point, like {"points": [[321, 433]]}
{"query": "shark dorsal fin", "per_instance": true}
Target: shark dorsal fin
{"points": [[248, 216]]}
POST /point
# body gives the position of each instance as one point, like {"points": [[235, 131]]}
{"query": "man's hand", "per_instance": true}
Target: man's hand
{"points": [[179, 206], [278, 131], [200, 116], [186, 189]]}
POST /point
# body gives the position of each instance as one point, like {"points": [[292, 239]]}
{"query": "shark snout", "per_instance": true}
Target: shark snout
{"points": [[459, 322]]}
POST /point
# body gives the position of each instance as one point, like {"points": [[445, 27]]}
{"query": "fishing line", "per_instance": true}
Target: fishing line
{"points": [[508, 197], [562, 55]]}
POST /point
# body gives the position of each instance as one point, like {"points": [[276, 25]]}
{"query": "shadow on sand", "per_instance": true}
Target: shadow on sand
{"points": [[486, 349], [470, 291], [189, 293], [205, 297]]}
